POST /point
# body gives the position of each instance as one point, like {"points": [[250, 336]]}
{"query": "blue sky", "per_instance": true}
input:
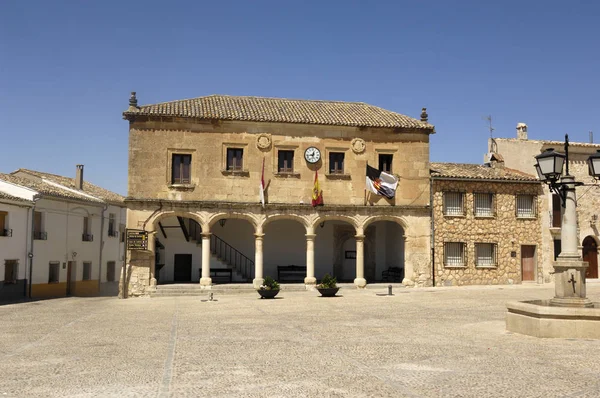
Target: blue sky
{"points": [[67, 67]]}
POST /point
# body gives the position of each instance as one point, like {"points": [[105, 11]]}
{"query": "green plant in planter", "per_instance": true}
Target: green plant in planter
{"points": [[269, 284], [328, 282]]}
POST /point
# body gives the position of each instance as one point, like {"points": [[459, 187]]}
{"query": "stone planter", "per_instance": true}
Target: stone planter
{"points": [[328, 291], [267, 294]]}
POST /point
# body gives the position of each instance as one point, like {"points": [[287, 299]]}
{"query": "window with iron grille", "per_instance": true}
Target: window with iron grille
{"points": [[10, 271], [112, 231], [180, 169], [285, 163], [87, 271], [486, 255], [483, 204], [110, 271], [235, 159], [454, 203], [87, 236], [455, 254], [336, 163], [385, 163], [526, 206], [122, 232], [53, 271]]}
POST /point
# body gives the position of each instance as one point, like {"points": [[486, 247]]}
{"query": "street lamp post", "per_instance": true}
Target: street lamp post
{"points": [[569, 269]]}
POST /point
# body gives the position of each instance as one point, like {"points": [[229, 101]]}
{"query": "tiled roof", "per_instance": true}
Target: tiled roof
{"points": [[478, 172], [45, 188], [4, 195], [281, 110], [88, 189]]}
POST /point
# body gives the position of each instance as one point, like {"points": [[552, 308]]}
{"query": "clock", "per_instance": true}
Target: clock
{"points": [[312, 155]]}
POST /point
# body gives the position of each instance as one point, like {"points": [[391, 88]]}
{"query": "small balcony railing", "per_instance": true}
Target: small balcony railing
{"points": [[6, 233], [39, 235], [113, 233], [87, 238]]}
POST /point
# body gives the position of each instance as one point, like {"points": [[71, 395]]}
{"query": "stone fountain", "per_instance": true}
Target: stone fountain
{"points": [[570, 314]]}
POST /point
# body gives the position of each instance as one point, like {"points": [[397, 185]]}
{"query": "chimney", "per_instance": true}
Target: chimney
{"points": [[133, 104], [79, 177], [496, 161], [521, 131], [424, 115]]}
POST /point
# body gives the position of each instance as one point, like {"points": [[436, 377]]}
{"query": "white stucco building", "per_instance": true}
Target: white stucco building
{"points": [[71, 230]]}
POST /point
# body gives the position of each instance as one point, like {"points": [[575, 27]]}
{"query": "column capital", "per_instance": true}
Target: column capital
{"points": [[359, 237], [206, 235], [311, 236]]}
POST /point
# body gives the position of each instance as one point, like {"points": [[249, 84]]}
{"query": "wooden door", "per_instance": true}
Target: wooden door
{"points": [[528, 266], [183, 268], [590, 254], [71, 267]]}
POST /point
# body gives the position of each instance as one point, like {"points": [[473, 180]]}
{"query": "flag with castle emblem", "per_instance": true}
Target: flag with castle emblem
{"points": [[317, 194], [381, 183]]}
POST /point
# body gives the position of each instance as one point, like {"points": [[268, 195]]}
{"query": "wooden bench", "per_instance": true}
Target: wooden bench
{"points": [[220, 275], [393, 274], [291, 273]]}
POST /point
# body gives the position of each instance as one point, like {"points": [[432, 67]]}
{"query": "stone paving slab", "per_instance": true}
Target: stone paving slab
{"points": [[434, 342]]}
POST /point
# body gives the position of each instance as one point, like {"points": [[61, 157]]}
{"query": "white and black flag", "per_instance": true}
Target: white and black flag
{"points": [[381, 183]]}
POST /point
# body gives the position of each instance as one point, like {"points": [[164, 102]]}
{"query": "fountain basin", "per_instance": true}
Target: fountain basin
{"points": [[540, 319]]}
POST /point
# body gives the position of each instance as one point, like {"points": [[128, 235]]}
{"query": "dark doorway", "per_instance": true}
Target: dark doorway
{"points": [[183, 268], [71, 277], [590, 254], [528, 263]]}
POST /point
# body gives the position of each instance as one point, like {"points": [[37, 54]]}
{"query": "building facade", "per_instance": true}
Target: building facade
{"points": [[67, 233], [519, 153], [195, 173], [486, 225]]}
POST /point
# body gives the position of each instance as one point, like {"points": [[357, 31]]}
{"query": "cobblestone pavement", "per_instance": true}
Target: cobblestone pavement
{"points": [[434, 342]]}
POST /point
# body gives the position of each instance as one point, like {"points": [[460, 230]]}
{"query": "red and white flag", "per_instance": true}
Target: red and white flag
{"points": [[262, 185]]}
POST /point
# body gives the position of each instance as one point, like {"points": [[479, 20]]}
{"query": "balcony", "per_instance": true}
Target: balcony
{"points": [[113, 233], [6, 232], [39, 235], [87, 238]]}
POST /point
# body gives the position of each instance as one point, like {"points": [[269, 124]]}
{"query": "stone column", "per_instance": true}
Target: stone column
{"points": [[360, 280], [205, 279], [569, 270], [258, 260], [310, 260]]}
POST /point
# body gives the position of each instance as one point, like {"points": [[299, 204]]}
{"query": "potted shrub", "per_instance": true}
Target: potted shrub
{"points": [[328, 286], [269, 288]]}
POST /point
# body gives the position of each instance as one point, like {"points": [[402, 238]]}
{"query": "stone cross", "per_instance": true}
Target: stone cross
{"points": [[572, 281]]}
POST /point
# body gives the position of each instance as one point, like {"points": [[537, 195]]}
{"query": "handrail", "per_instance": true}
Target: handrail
{"points": [[232, 256]]}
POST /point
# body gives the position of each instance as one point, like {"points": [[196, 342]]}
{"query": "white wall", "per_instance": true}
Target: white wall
{"points": [[113, 249], [16, 246], [63, 222]]}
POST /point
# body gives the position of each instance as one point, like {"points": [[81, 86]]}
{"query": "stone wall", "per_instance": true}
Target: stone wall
{"points": [[504, 229], [152, 144]]}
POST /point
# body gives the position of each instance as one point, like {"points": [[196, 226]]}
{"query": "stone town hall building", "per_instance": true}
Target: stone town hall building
{"points": [[195, 169]]}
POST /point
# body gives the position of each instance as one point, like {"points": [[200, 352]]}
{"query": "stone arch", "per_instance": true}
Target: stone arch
{"points": [[324, 218], [80, 210], [302, 220], [590, 254], [152, 221], [398, 220], [233, 215]]}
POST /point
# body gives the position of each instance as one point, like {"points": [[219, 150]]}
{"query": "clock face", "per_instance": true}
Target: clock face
{"points": [[312, 155]]}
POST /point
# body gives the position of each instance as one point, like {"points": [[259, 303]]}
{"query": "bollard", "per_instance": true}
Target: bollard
{"points": [[389, 290], [210, 297]]}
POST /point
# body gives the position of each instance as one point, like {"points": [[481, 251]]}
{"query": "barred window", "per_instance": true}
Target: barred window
{"points": [[484, 205], [485, 255], [87, 271], [526, 207], [454, 254], [454, 203], [53, 271]]}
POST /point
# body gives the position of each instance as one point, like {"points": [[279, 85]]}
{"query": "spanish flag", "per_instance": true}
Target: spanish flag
{"points": [[317, 194]]}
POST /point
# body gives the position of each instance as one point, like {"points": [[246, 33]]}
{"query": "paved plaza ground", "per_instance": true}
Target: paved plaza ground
{"points": [[434, 342]]}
